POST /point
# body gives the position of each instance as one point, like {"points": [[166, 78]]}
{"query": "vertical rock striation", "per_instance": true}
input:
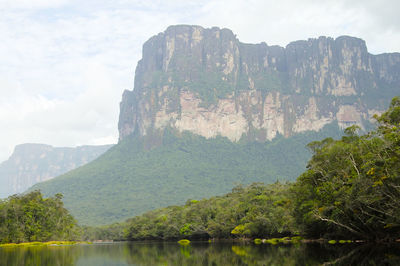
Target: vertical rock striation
{"points": [[206, 81]]}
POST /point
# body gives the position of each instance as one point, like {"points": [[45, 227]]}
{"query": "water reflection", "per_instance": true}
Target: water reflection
{"points": [[202, 253]]}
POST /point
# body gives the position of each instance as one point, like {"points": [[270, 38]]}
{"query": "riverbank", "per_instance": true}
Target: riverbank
{"points": [[49, 243], [285, 240]]}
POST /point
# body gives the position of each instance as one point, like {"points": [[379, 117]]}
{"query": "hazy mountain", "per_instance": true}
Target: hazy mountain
{"points": [[33, 163], [208, 112]]}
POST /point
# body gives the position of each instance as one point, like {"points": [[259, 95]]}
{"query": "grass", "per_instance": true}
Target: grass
{"points": [[49, 243]]}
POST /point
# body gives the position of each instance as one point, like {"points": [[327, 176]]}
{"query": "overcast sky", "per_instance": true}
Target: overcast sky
{"points": [[65, 63]]}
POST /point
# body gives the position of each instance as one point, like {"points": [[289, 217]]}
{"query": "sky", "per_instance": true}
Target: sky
{"points": [[65, 63]]}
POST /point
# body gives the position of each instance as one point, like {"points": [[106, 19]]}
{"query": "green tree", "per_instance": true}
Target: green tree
{"points": [[352, 185], [31, 217]]}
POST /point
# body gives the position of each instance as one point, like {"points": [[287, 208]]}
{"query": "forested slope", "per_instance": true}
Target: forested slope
{"points": [[350, 190], [130, 179]]}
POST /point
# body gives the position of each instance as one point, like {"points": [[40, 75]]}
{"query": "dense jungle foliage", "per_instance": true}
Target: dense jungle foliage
{"points": [[130, 179], [30, 217], [252, 211], [352, 185], [351, 189]]}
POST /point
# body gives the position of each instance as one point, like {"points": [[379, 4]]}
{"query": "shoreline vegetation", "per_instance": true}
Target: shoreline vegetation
{"points": [[42, 244], [184, 242], [350, 193]]}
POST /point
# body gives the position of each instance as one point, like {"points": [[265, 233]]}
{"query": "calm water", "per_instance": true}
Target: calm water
{"points": [[200, 253]]}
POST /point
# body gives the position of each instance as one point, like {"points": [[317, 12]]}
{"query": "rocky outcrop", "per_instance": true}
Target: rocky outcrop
{"points": [[206, 81], [33, 163]]}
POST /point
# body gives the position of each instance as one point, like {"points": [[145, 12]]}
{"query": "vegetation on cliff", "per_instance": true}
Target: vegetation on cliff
{"points": [[30, 217], [189, 73], [351, 189], [264, 91], [352, 185], [138, 179]]}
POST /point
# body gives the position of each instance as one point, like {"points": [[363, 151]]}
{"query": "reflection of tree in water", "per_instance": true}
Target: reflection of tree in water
{"points": [[367, 254], [62, 255], [218, 254], [39, 255], [249, 254], [186, 250], [203, 253]]}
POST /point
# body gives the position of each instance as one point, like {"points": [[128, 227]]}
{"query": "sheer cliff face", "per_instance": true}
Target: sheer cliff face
{"points": [[33, 163], [207, 82]]}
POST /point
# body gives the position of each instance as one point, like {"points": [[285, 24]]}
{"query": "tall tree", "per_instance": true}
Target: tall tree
{"points": [[352, 185]]}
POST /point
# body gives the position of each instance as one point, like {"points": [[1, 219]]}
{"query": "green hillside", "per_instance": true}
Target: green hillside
{"points": [[129, 179]]}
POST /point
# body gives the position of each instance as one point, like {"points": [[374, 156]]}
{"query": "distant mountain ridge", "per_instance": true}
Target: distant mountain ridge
{"points": [[33, 163], [208, 112]]}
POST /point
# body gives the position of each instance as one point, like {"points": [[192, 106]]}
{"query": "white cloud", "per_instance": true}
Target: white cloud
{"points": [[282, 21], [31, 4], [65, 63]]}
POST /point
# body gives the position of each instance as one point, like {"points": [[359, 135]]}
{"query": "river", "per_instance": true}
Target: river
{"points": [[202, 253]]}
